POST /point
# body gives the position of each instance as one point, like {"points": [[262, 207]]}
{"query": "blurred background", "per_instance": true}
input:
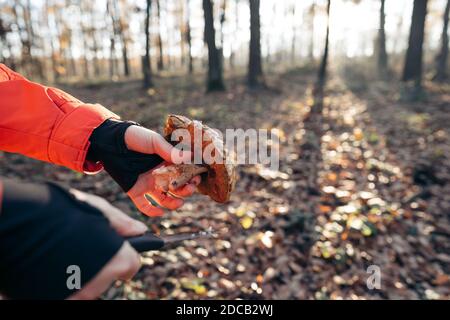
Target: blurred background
{"points": [[357, 91]]}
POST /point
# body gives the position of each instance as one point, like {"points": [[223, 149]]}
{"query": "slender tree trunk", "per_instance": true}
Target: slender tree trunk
{"points": [[222, 21], [442, 57], [382, 55], [52, 46], [189, 39], [324, 63], [85, 51], [112, 59], [255, 72], [95, 48], [70, 58], [123, 39], [312, 15], [294, 35], [26, 36], [233, 47], [413, 62], [126, 61], [3, 32], [146, 65], [215, 70], [35, 64], [112, 40], [182, 30], [160, 64]]}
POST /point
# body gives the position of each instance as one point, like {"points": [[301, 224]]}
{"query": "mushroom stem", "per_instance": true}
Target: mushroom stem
{"points": [[188, 172], [175, 176]]}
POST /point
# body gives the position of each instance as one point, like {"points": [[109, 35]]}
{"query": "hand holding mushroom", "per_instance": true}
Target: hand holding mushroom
{"points": [[218, 178]]}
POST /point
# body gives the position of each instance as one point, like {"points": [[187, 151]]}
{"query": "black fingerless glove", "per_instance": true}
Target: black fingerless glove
{"points": [[108, 147]]}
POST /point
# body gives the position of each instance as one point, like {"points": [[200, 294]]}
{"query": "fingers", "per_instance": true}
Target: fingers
{"points": [[169, 153], [143, 140], [188, 189], [165, 200], [122, 223], [146, 207], [124, 265]]}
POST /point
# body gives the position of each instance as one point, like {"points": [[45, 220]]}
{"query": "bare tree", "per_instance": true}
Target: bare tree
{"points": [[382, 58], [113, 68], [146, 65], [255, 72], [215, 70], [234, 47], [442, 57], [47, 9], [189, 39], [22, 17], [85, 38], [413, 63], [120, 28], [182, 29], [4, 44], [223, 10], [324, 63], [311, 16], [160, 63], [93, 32], [294, 34]]}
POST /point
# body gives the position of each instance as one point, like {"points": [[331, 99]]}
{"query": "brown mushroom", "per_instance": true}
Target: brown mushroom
{"points": [[218, 178]]}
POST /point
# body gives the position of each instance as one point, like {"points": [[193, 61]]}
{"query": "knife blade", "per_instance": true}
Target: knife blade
{"points": [[150, 241]]}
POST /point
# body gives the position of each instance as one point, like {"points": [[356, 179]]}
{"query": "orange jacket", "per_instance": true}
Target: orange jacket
{"points": [[46, 123]]}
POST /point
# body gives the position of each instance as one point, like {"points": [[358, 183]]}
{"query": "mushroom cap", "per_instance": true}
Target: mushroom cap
{"points": [[220, 179]]}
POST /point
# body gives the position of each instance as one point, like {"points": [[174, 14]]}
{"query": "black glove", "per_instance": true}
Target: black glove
{"points": [[108, 147], [44, 229]]}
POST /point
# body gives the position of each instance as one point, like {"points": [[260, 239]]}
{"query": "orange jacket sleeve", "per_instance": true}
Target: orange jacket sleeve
{"points": [[46, 123]]}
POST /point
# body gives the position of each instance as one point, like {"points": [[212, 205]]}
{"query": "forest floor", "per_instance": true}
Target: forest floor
{"points": [[364, 180]]}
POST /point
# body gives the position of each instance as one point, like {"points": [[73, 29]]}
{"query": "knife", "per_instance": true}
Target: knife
{"points": [[149, 241]]}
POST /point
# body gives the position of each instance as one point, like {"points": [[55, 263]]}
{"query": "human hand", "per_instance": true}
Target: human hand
{"points": [[146, 141], [126, 262], [130, 153]]}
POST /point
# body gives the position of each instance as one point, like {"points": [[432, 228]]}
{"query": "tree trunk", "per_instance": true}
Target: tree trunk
{"points": [[181, 28], [215, 71], [93, 31], [112, 41], [294, 35], [123, 39], [53, 65], [84, 35], [189, 39], [382, 55], [234, 47], [160, 64], [26, 59], [146, 65], [413, 62], [324, 63], [442, 57], [223, 10], [255, 73], [312, 14]]}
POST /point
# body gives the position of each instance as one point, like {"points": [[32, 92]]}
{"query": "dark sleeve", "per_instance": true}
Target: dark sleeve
{"points": [[123, 165]]}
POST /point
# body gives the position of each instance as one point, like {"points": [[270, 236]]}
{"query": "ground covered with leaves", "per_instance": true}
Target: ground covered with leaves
{"points": [[364, 180]]}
